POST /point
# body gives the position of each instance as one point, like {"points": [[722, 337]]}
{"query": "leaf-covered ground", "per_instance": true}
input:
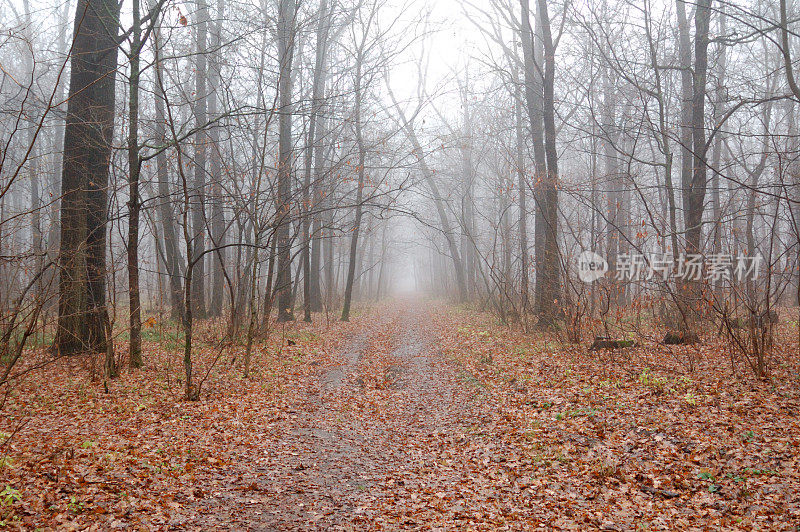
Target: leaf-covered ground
{"points": [[632, 439], [76, 457], [414, 415]]}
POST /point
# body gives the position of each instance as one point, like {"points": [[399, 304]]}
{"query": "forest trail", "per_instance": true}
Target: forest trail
{"points": [[414, 415], [364, 430]]}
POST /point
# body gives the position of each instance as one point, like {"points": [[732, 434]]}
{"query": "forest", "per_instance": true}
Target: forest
{"points": [[399, 264]]}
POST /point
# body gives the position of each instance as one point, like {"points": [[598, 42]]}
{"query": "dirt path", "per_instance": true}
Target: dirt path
{"points": [[350, 448], [413, 416]]}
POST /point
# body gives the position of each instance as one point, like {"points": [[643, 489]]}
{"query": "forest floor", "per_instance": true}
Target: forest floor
{"points": [[414, 415]]}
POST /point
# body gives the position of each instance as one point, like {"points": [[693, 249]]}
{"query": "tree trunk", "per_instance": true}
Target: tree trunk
{"points": [[82, 313], [134, 168], [695, 199], [286, 35], [379, 283], [468, 251], [716, 157], [53, 233], [217, 212], [532, 63], [351, 268], [330, 278], [252, 306], [685, 60], [201, 139], [522, 185], [612, 170], [36, 217], [33, 173], [311, 294], [166, 211], [269, 292], [315, 273], [550, 289], [665, 135], [188, 320]]}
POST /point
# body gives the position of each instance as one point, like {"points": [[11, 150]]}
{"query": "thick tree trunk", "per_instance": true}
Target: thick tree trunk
{"points": [[696, 193], [551, 284], [286, 34], [532, 63], [82, 314], [685, 59], [693, 140], [695, 199]]}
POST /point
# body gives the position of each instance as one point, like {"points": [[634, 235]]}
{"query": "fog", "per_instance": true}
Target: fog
{"points": [[399, 264], [250, 162]]}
